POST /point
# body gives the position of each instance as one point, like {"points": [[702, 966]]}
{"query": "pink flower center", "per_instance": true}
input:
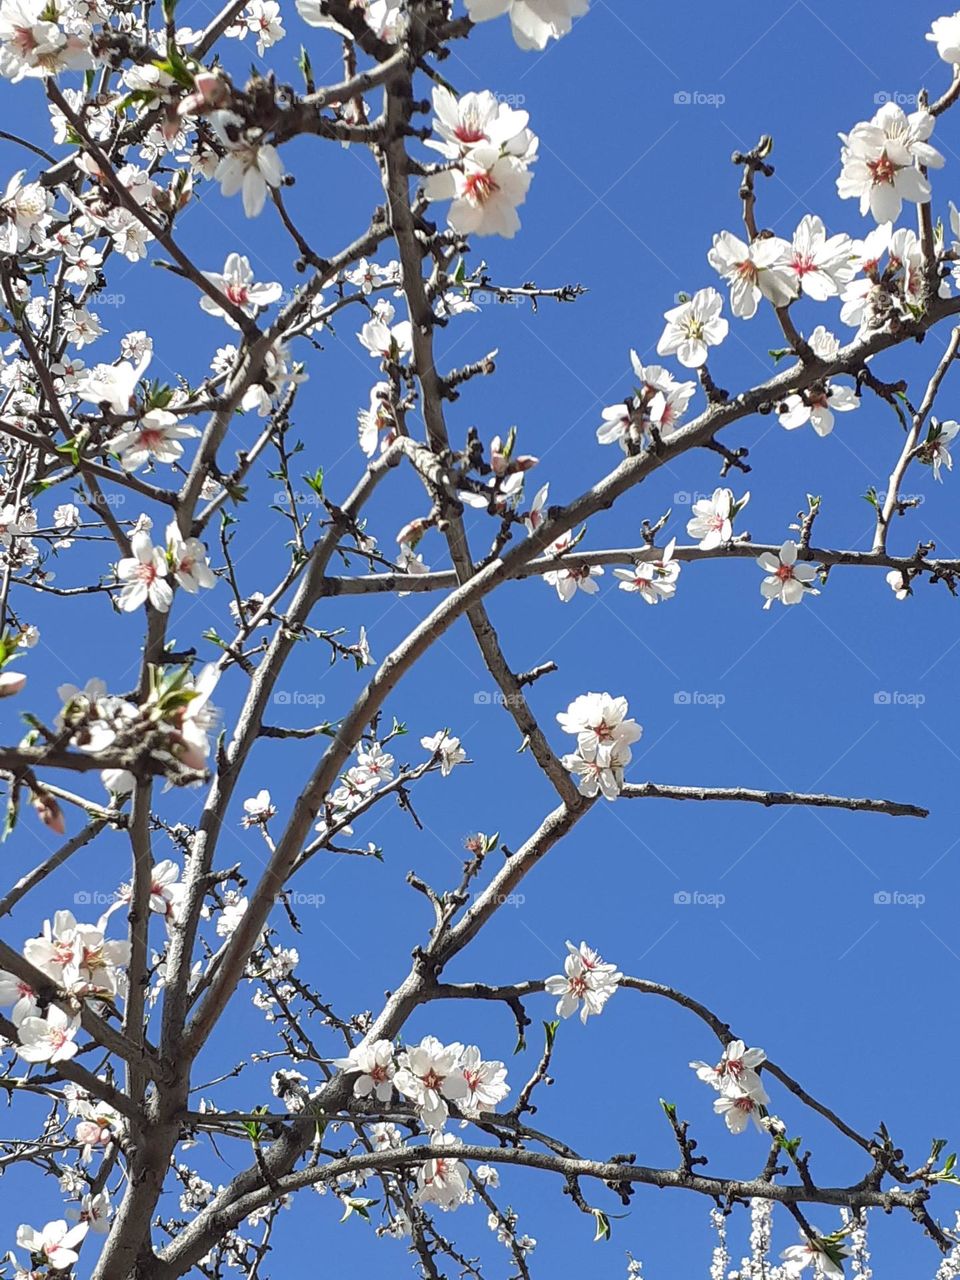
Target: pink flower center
{"points": [[883, 170], [469, 133], [432, 1080], [151, 438], [785, 572], [479, 187], [237, 293]]}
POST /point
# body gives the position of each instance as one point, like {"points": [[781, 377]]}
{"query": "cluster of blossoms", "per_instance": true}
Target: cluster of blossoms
{"points": [[735, 1078], [604, 735], [488, 151], [82, 963], [173, 724], [146, 575], [655, 409], [374, 767], [587, 983], [430, 1075]]}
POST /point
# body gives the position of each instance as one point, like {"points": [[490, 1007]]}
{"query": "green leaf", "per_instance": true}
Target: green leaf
{"points": [[603, 1226], [550, 1030], [315, 482], [358, 1205]]}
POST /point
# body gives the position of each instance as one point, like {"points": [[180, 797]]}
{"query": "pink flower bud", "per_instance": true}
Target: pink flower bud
{"points": [[11, 682], [49, 812]]}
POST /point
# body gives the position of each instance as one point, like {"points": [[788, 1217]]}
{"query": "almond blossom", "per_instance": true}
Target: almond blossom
{"points": [[737, 1111], [188, 561], [898, 583], [33, 42], [443, 1181], [430, 1075], [54, 1244], [712, 520], [449, 751], [143, 576], [113, 385], [263, 19], [659, 404], [18, 994], [597, 719], [788, 580], [238, 286], [817, 406], [758, 269], [881, 159], [485, 189], [945, 34], [735, 1073], [827, 1265], [652, 580], [48, 1039], [533, 22], [250, 166], [935, 449], [586, 983], [693, 327], [376, 1066], [385, 339], [578, 577], [477, 119], [258, 810], [154, 438], [486, 1082], [819, 264]]}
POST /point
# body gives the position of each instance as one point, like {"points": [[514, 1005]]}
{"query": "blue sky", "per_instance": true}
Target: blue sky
{"points": [[852, 996]]}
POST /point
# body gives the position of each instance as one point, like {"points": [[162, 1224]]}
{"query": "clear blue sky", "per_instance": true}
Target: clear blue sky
{"points": [[854, 999]]}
